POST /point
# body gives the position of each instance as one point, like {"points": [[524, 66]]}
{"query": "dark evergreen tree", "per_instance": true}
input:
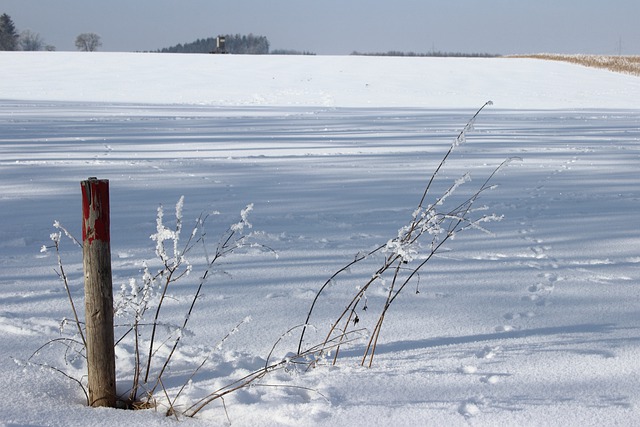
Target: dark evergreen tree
{"points": [[237, 44], [247, 44], [8, 33]]}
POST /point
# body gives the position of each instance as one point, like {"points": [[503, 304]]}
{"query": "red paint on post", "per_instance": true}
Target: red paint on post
{"points": [[95, 210]]}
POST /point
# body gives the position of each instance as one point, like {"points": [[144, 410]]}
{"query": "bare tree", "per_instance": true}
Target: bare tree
{"points": [[88, 42], [30, 41]]}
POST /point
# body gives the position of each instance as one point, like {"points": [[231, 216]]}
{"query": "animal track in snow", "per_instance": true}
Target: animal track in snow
{"points": [[525, 314], [488, 352], [471, 407], [551, 277], [468, 369], [540, 287], [536, 299], [536, 256], [490, 379]]}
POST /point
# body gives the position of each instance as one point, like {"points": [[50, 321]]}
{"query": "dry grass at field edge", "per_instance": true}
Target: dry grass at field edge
{"points": [[619, 64]]}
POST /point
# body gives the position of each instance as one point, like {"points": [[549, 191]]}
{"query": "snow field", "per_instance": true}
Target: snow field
{"points": [[534, 325]]}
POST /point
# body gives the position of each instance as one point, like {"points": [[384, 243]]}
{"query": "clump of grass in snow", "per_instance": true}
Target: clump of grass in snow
{"points": [[432, 224], [140, 303]]}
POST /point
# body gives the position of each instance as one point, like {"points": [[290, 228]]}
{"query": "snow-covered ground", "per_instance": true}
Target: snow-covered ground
{"points": [[536, 324]]}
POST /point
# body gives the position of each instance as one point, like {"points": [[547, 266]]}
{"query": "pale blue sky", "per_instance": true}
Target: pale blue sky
{"points": [[342, 26]]}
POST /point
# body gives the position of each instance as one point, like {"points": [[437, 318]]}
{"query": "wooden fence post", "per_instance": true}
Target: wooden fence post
{"points": [[98, 289]]}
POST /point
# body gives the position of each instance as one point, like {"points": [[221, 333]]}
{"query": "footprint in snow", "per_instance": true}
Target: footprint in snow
{"points": [[468, 369], [470, 408], [506, 328], [524, 314], [488, 352], [551, 277], [490, 379], [540, 287], [536, 299]]}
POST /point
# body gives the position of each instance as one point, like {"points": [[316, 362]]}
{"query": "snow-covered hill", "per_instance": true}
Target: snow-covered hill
{"points": [[311, 81]]}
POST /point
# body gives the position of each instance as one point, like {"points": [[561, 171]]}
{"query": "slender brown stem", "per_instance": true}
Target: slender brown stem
{"points": [[65, 281]]}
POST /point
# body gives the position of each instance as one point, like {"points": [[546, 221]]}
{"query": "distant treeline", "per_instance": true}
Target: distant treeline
{"points": [[259, 45], [238, 44], [290, 52], [429, 54]]}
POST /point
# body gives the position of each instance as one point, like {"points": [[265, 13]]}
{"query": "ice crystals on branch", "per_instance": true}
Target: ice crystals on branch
{"points": [[58, 226], [424, 220], [163, 234], [458, 182], [487, 218], [135, 298], [408, 251], [462, 136], [244, 222]]}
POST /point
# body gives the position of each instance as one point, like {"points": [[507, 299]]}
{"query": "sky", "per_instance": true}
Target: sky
{"points": [[339, 27]]}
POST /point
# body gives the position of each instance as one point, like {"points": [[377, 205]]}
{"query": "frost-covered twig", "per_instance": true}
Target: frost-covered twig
{"points": [[55, 237], [461, 138], [171, 265]]}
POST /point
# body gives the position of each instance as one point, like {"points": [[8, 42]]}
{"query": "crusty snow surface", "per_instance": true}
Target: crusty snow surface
{"points": [[536, 323]]}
